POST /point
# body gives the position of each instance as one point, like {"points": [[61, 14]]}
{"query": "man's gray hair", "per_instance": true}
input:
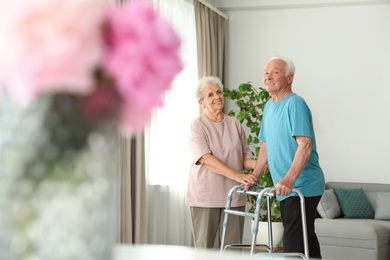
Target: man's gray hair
{"points": [[290, 65], [204, 82]]}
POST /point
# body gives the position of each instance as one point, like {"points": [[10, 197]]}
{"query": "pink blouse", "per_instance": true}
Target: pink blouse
{"points": [[227, 142]]}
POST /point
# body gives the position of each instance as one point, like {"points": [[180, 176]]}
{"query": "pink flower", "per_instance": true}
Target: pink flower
{"points": [[133, 118], [55, 46], [58, 46], [143, 58]]}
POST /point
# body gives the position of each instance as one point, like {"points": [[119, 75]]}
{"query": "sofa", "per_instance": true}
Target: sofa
{"points": [[354, 221]]}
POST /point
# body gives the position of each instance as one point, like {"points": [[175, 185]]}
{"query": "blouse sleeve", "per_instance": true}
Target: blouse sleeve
{"points": [[199, 143]]}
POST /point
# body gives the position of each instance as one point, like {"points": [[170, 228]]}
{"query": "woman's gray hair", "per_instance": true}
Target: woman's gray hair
{"points": [[204, 82], [290, 65]]}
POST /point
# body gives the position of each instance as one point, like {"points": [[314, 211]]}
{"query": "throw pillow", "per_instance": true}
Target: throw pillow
{"points": [[382, 210], [329, 206], [371, 196], [354, 203]]}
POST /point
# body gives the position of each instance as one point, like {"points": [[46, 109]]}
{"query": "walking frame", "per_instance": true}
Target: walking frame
{"points": [[261, 192]]}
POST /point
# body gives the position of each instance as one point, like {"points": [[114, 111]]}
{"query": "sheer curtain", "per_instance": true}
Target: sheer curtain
{"points": [[166, 139]]}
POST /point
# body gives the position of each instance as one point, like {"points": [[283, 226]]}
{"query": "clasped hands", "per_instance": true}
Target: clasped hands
{"points": [[248, 181]]}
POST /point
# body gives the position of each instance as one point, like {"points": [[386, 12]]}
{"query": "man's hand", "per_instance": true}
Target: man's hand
{"points": [[285, 186]]}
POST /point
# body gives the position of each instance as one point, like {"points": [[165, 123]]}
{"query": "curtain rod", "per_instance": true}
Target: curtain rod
{"points": [[213, 8]]}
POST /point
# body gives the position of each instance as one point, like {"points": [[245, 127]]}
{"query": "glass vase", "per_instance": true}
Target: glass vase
{"points": [[57, 181]]}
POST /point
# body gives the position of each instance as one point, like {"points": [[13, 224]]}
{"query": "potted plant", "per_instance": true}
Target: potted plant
{"points": [[250, 102]]}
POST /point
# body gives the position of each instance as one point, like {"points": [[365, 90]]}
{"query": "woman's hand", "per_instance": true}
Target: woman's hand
{"points": [[247, 180]]}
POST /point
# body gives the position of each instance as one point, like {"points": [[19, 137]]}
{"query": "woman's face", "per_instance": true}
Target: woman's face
{"points": [[213, 98]]}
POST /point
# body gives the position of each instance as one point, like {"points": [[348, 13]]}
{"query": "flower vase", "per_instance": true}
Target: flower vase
{"points": [[57, 177]]}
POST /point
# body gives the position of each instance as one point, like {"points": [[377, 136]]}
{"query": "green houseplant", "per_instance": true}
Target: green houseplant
{"points": [[250, 102]]}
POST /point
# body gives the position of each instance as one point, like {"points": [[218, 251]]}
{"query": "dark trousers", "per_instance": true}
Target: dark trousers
{"points": [[292, 222]]}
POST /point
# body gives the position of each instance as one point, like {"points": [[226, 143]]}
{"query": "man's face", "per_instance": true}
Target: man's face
{"points": [[275, 79]]}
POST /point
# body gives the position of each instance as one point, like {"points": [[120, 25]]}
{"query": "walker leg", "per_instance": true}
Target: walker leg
{"points": [[225, 225], [304, 227], [226, 218]]}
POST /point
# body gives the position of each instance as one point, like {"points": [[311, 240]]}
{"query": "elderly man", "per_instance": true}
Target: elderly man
{"points": [[289, 147]]}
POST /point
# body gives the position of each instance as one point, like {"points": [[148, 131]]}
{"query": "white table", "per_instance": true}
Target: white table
{"points": [[135, 252]]}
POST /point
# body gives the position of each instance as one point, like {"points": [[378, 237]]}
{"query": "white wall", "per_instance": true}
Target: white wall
{"points": [[342, 55]]}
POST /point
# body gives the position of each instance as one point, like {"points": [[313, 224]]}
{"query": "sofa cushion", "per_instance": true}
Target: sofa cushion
{"points": [[355, 233], [382, 210], [329, 207], [371, 196], [354, 203]]}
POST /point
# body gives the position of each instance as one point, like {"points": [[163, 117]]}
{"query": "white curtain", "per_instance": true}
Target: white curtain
{"points": [[167, 151]]}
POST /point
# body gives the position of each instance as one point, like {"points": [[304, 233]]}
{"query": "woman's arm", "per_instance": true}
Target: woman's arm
{"points": [[249, 164], [218, 167]]}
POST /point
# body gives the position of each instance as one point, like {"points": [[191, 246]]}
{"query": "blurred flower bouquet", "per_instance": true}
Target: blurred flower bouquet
{"points": [[72, 73], [117, 61]]}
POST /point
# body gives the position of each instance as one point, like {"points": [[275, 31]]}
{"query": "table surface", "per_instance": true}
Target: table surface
{"points": [[135, 252]]}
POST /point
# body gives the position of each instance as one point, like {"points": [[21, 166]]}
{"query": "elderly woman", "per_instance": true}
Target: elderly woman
{"points": [[219, 154]]}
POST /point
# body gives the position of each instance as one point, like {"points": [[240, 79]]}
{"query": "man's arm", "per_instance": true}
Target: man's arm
{"points": [[302, 155], [249, 164], [260, 166]]}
